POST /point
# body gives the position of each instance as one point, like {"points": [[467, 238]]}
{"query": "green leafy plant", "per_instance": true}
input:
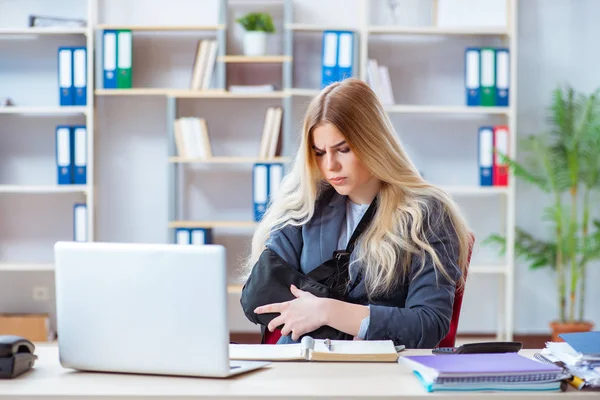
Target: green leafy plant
{"points": [[257, 22], [564, 163]]}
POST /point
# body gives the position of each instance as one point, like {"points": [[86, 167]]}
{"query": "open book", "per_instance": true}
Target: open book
{"points": [[317, 350]]}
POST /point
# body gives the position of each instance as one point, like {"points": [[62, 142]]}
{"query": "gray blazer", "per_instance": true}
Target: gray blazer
{"points": [[417, 314]]}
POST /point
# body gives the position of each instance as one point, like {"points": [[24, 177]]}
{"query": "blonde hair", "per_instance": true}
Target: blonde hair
{"points": [[401, 227]]}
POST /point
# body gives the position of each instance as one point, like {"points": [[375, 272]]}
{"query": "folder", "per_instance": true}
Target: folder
{"points": [[80, 76], [79, 154], [275, 177], [472, 61], [65, 76], [109, 59], [80, 222], [500, 169], [488, 77], [200, 236], [260, 190], [64, 156], [329, 71], [183, 236], [502, 77], [317, 350], [124, 59], [486, 149], [345, 55], [587, 344]]}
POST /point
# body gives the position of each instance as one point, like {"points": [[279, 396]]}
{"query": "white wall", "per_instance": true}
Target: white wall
{"points": [[555, 39]]}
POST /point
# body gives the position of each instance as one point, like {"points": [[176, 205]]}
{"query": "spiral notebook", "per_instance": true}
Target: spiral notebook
{"points": [[505, 371]]}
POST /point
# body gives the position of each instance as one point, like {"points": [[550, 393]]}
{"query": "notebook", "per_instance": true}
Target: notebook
{"points": [[504, 371], [317, 350], [586, 343]]}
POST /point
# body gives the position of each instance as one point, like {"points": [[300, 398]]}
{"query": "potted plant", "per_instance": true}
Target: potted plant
{"points": [[565, 164], [257, 26]]}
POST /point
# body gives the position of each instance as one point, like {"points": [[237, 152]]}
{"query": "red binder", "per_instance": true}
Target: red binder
{"points": [[499, 169]]}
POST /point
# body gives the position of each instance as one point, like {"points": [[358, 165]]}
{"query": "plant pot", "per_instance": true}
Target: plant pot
{"points": [[559, 327], [255, 43]]}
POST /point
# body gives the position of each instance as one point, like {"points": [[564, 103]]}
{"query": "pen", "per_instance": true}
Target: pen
{"points": [[328, 344], [574, 381]]}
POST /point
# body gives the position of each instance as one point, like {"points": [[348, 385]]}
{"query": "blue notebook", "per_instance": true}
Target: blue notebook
{"points": [[586, 343]]}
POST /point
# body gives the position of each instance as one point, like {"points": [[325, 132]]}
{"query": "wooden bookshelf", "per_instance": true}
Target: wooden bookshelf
{"points": [[320, 28], [133, 92], [52, 110], [303, 92], [43, 31], [430, 109], [161, 28], [213, 224], [254, 59], [25, 267], [229, 160], [32, 189], [461, 190], [433, 30], [223, 94]]}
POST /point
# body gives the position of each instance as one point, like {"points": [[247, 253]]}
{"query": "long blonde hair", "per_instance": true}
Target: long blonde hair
{"points": [[401, 225]]}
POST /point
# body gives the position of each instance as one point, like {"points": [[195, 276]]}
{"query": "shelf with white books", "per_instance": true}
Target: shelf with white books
{"points": [[158, 28], [254, 59], [133, 92], [26, 267], [433, 30], [58, 110], [43, 189], [49, 31], [213, 224], [320, 27], [431, 109], [229, 160], [466, 190]]}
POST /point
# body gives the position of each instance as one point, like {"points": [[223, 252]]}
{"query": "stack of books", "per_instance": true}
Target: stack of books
{"points": [[489, 372]]}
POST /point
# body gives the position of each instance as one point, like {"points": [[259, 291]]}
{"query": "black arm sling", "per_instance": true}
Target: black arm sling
{"points": [[271, 278]]}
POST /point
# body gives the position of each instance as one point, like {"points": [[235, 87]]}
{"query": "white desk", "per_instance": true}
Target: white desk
{"points": [[48, 380]]}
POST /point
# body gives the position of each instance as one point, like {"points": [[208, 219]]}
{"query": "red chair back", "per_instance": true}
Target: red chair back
{"points": [[448, 341]]}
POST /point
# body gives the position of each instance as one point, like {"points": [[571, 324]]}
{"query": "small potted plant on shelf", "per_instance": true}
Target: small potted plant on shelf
{"points": [[565, 164], [257, 26]]}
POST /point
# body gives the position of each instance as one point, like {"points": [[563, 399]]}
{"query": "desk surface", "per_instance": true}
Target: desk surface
{"points": [[278, 380]]}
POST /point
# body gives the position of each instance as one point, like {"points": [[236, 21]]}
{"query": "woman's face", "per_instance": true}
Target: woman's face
{"points": [[340, 167]]}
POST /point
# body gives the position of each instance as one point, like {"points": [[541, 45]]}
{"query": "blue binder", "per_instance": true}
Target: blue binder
{"points": [[64, 155], [329, 60], [345, 56], [65, 76], [109, 59], [79, 154], [80, 76], [472, 72], [200, 236], [502, 77], [183, 236], [260, 190], [486, 155]]}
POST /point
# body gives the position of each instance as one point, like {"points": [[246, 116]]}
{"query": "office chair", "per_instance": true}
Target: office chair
{"points": [[448, 341]]}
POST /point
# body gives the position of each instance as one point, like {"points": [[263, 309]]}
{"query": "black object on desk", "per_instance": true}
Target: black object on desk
{"points": [[481, 347], [16, 356]]}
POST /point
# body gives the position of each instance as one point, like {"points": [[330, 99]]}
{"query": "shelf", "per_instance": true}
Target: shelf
{"points": [[303, 92], [229, 160], [162, 27], [223, 94], [320, 28], [426, 109], [432, 30], [43, 189], [133, 92], [475, 190], [43, 31], [487, 269], [65, 110], [213, 224], [256, 59], [26, 267], [234, 288]]}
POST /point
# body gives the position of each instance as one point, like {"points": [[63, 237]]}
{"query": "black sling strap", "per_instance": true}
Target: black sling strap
{"points": [[334, 272]]}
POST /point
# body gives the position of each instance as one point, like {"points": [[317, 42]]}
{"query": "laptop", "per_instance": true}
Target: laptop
{"points": [[144, 308]]}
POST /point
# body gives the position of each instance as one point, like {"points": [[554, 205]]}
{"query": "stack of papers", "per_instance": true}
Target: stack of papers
{"points": [[500, 371]]}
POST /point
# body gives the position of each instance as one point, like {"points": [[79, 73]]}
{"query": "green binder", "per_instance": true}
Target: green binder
{"points": [[487, 76], [124, 58]]}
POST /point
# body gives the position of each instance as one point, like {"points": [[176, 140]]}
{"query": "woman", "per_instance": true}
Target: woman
{"points": [[412, 246]]}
